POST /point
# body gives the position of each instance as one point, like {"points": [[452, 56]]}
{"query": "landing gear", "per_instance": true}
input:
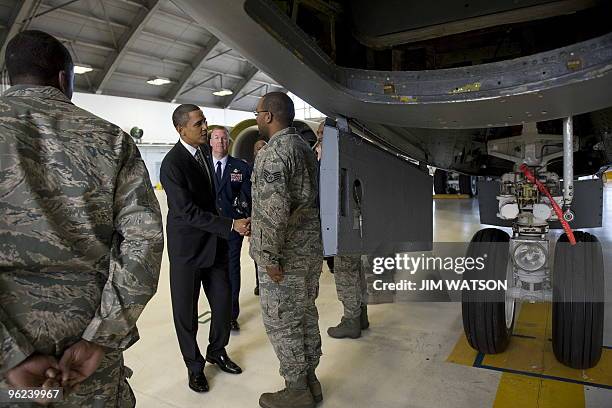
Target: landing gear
{"points": [[468, 185], [488, 316], [578, 308], [532, 197], [440, 178]]}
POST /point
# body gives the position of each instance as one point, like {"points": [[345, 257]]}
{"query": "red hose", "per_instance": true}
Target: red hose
{"points": [[529, 175]]}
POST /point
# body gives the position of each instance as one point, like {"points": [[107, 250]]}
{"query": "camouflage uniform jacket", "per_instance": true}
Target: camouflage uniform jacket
{"points": [[285, 224], [81, 234]]}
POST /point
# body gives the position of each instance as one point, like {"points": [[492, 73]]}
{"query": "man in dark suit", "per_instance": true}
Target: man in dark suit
{"points": [[233, 183], [197, 246]]}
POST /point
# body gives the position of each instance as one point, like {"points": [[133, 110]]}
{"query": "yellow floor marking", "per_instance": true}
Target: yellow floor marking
{"points": [[449, 196], [600, 374], [463, 353], [517, 390], [530, 356], [531, 321]]}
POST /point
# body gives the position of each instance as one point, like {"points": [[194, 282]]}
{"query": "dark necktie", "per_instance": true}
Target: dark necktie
{"points": [[200, 159], [219, 171]]}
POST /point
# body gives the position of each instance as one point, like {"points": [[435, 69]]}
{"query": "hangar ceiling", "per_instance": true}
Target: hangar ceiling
{"points": [[128, 42]]}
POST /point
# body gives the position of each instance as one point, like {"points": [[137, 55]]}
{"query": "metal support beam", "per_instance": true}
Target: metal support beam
{"points": [[16, 22], [126, 42], [251, 92], [49, 10], [105, 47], [247, 78], [199, 84], [121, 26], [82, 43], [568, 160], [220, 54], [176, 90]]}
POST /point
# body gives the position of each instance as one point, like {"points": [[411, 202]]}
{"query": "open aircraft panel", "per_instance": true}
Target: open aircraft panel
{"points": [[372, 201]]}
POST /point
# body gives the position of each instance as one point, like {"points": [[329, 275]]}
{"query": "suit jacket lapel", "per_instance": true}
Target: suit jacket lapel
{"points": [[194, 163], [208, 158]]}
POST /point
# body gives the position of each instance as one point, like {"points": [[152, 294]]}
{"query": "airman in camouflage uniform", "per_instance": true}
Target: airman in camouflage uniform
{"points": [[80, 231], [353, 293], [286, 244]]}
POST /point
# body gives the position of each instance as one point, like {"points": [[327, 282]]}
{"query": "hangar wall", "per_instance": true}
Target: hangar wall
{"points": [[155, 118]]}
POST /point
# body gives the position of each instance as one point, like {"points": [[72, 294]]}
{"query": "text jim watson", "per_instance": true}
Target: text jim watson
{"points": [[429, 285]]}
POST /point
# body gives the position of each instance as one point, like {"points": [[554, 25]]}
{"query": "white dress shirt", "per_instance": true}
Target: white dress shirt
{"points": [[189, 148]]}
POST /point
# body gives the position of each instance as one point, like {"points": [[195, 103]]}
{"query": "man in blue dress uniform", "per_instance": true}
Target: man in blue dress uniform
{"points": [[233, 182]]}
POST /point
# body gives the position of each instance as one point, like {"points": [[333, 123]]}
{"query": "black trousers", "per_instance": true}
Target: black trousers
{"points": [[185, 284], [235, 247]]}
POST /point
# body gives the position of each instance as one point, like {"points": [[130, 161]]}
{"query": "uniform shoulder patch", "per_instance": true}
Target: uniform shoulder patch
{"points": [[271, 177]]}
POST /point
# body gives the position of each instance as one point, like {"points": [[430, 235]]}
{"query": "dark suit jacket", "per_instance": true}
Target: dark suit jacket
{"points": [[193, 224], [235, 188]]}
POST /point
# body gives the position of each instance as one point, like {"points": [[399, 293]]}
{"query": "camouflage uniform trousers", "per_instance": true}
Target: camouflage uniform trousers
{"points": [[106, 388], [291, 318], [350, 284]]}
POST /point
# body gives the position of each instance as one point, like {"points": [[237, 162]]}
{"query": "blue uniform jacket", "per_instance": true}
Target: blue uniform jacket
{"points": [[234, 191]]}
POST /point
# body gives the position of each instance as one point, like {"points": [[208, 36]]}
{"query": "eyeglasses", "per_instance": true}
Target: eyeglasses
{"points": [[256, 113]]}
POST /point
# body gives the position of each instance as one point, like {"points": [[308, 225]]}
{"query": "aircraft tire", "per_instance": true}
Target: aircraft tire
{"points": [[487, 326], [578, 307]]}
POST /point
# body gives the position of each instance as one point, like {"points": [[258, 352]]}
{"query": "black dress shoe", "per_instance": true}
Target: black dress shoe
{"points": [[256, 290], [224, 363], [234, 326], [197, 382]]}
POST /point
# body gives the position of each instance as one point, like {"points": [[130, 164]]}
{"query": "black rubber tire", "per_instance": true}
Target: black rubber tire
{"points": [[475, 181], [465, 185], [440, 178], [484, 318], [578, 307]]}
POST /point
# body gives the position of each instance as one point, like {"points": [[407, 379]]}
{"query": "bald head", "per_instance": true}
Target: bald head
{"points": [[274, 112], [280, 106]]}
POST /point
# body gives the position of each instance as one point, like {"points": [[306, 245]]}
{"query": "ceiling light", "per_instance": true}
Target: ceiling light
{"points": [[82, 69], [223, 92], [158, 81]]}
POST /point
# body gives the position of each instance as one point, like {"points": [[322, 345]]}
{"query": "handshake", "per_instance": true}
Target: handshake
{"points": [[243, 226], [78, 362]]}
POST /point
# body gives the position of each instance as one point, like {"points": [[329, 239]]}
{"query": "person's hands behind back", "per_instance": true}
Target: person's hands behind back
{"points": [[37, 371], [275, 272], [80, 361], [33, 372]]}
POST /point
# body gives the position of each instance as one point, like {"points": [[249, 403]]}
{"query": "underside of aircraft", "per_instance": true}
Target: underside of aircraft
{"points": [[515, 90], [440, 82]]}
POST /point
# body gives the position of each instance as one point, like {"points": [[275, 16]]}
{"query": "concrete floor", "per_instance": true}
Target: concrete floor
{"points": [[400, 362]]}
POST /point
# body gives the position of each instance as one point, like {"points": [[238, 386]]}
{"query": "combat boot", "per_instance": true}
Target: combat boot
{"points": [[315, 386], [350, 328], [363, 318], [294, 395]]}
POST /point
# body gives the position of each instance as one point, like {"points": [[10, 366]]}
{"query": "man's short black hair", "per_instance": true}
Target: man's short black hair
{"points": [[180, 117], [280, 106], [36, 55]]}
